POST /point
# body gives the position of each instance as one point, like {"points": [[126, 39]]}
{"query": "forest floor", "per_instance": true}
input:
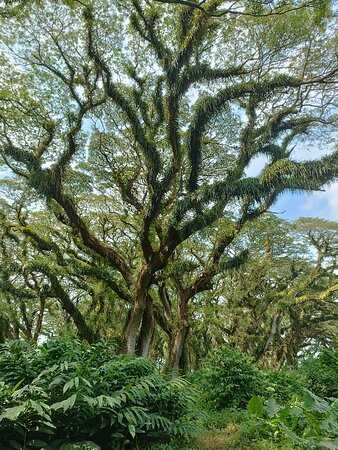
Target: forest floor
{"points": [[228, 438], [223, 439], [219, 439]]}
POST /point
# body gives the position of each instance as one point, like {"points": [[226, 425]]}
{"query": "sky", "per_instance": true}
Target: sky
{"points": [[318, 204], [323, 204]]}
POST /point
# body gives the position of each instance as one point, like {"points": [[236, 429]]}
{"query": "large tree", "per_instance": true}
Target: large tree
{"points": [[137, 122]]}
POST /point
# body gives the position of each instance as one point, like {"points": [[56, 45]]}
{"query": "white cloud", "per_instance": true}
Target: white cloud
{"points": [[324, 203], [256, 165]]}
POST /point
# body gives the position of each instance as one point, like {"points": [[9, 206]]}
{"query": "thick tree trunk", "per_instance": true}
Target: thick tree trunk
{"points": [[270, 339], [4, 329], [178, 342], [133, 328], [85, 332], [147, 330], [176, 359]]}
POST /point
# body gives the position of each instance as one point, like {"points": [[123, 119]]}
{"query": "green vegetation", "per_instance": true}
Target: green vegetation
{"points": [[151, 294], [70, 392], [321, 373], [230, 378], [69, 395]]}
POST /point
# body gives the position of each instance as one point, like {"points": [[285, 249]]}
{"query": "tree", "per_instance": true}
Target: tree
{"points": [[283, 302], [140, 145], [30, 278]]}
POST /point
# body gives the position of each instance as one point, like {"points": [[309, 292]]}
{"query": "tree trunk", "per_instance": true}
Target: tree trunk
{"points": [[147, 330], [134, 327], [27, 330], [270, 339], [136, 315], [178, 346], [85, 332], [39, 320], [4, 329], [179, 340]]}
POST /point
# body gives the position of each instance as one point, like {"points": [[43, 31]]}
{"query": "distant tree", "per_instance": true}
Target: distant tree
{"points": [[283, 302], [137, 121]]}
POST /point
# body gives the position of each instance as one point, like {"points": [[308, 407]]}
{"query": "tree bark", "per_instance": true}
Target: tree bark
{"points": [[178, 342], [140, 303], [147, 330], [134, 326], [85, 332], [39, 320], [4, 329], [177, 350]]}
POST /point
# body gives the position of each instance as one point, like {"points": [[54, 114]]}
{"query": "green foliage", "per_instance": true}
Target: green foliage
{"points": [[128, 130], [309, 423], [82, 393], [322, 373], [15, 362], [230, 378], [284, 384], [21, 361]]}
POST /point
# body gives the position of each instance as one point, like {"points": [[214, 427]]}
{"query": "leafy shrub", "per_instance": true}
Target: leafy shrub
{"points": [[230, 378], [310, 423], [87, 398], [22, 361], [322, 373], [283, 385], [16, 362]]}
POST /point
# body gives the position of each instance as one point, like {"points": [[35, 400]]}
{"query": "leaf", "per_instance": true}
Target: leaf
{"points": [[12, 413], [15, 444], [65, 404], [38, 443], [315, 403], [76, 382], [256, 406], [272, 407], [67, 386], [86, 445], [132, 430], [331, 444], [293, 436]]}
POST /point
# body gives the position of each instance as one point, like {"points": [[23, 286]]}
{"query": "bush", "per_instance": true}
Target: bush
{"points": [[16, 362], [230, 378], [322, 373], [22, 361], [82, 396], [284, 385]]}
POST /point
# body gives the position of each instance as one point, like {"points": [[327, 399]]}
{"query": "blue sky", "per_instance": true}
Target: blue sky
{"points": [[323, 204]]}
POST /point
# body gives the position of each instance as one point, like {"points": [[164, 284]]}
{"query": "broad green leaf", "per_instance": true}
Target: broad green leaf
{"points": [[132, 430], [68, 386], [12, 413], [315, 403], [272, 407], [256, 406], [330, 444], [65, 404]]}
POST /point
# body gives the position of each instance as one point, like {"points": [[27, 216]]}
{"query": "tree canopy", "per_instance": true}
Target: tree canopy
{"points": [[129, 130]]}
